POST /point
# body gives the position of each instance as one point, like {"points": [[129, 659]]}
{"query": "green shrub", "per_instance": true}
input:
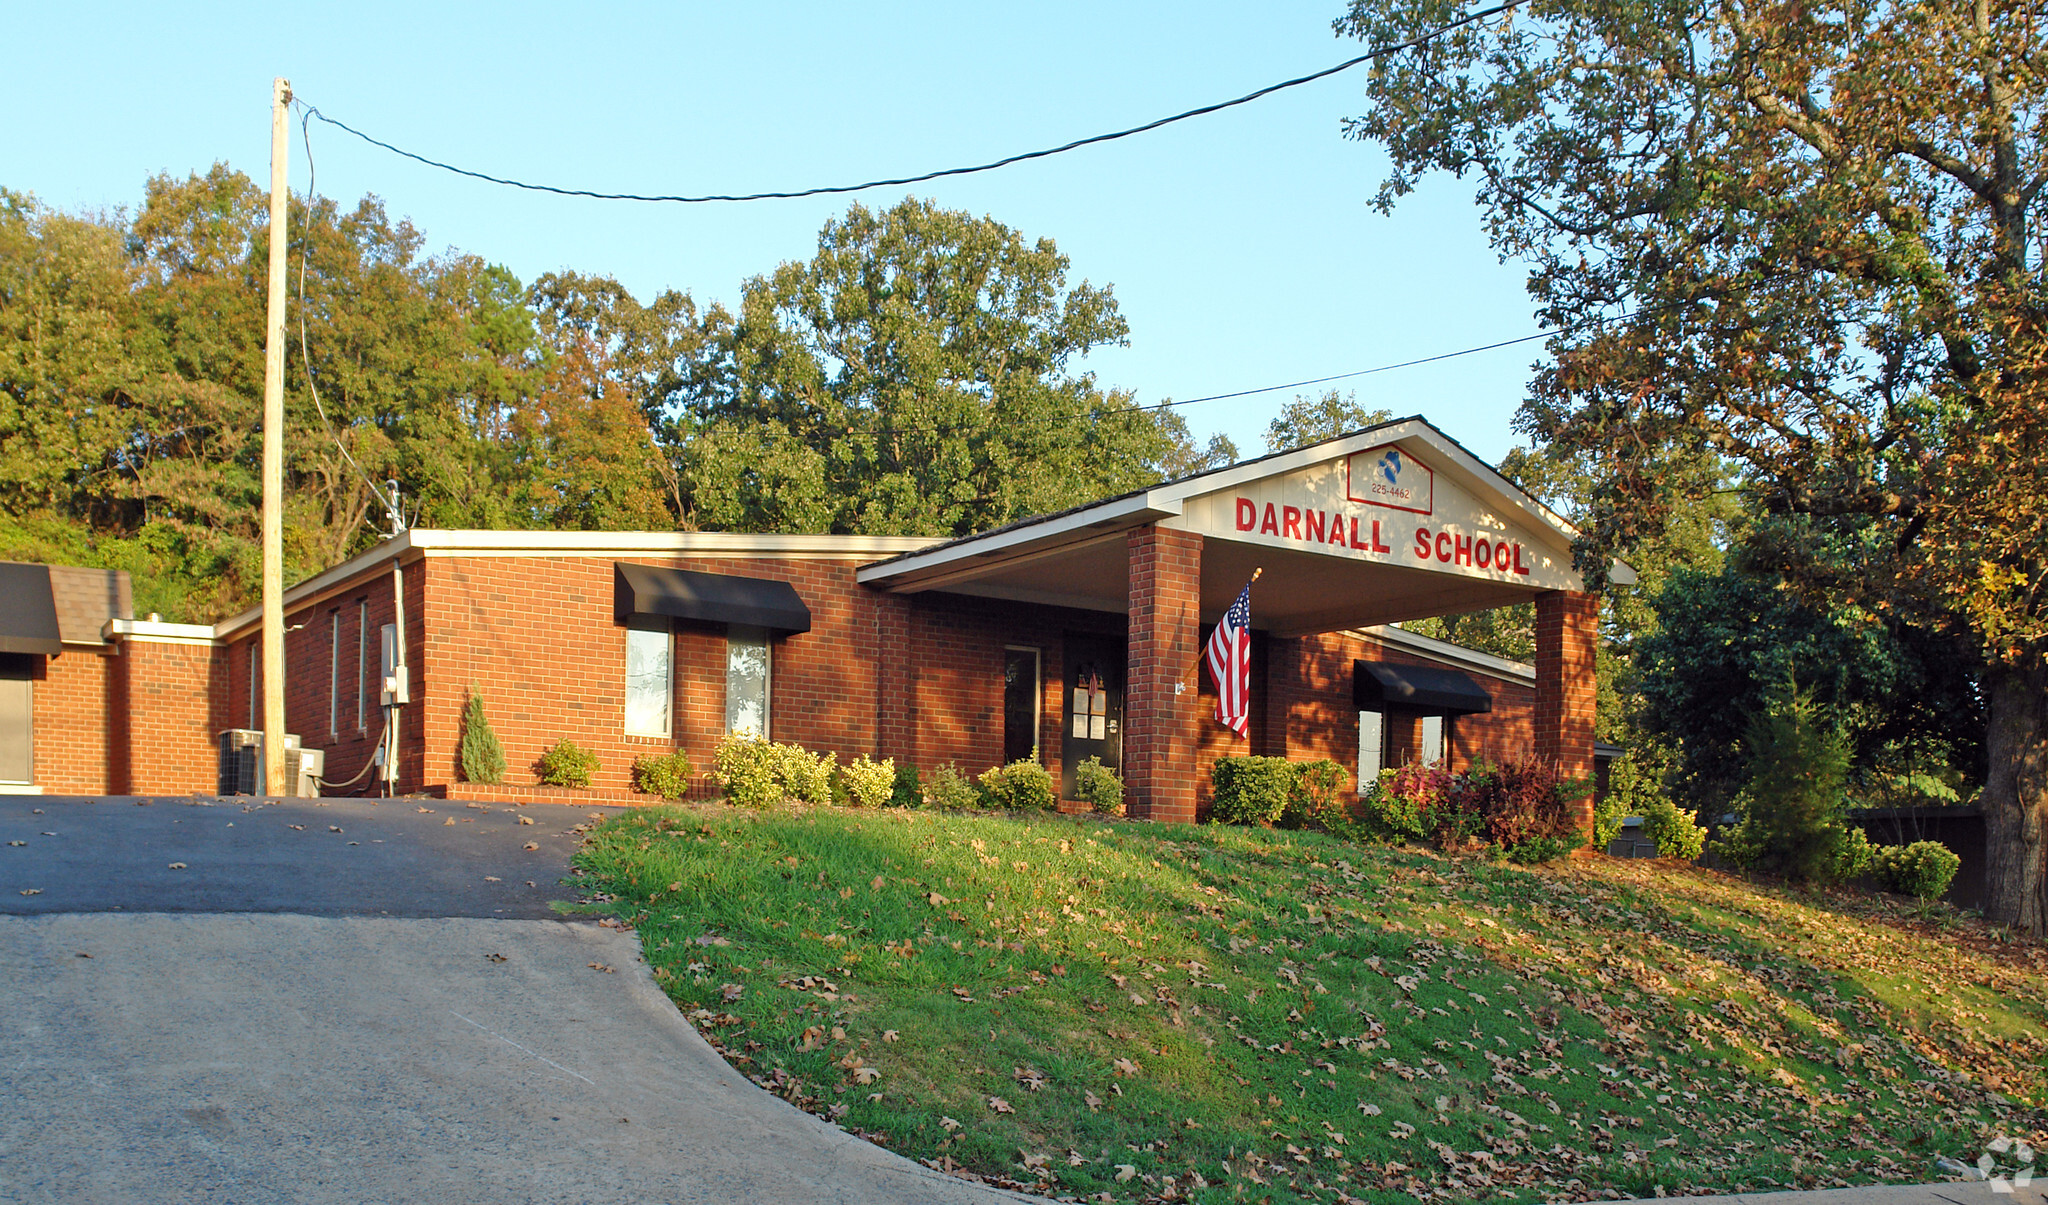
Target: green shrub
{"points": [[666, 775], [868, 783], [1315, 798], [1676, 830], [1021, 786], [1099, 787], [568, 764], [1390, 816], [1923, 869], [762, 774], [949, 790], [907, 791], [745, 772], [803, 776], [483, 755], [1250, 790], [1793, 807]]}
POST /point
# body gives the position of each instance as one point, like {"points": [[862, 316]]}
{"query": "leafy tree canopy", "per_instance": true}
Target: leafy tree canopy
{"points": [[1801, 239], [916, 376]]}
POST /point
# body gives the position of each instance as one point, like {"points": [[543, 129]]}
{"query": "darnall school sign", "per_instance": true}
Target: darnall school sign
{"points": [[1061, 638], [1343, 506]]}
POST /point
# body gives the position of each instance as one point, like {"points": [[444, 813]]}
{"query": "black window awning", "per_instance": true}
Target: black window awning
{"points": [[28, 610], [716, 597], [1376, 684]]}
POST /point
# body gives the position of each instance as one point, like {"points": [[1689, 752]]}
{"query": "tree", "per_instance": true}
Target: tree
{"points": [[916, 376], [1728, 643], [1309, 420], [1802, 239]]}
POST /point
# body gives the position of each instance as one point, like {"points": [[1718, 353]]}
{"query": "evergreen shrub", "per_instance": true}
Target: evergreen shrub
{"points": [[1021, 786], [1923, 869], [762, 774], [483, 755], [567, 764], [1099, 787], [1250, 790], [951, 791], [907, 790], [868, 783], [666, 775], [1793, 808]]}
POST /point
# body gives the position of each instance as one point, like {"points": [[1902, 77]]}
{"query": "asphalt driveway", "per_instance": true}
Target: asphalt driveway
{"points": [[342, 1001]]}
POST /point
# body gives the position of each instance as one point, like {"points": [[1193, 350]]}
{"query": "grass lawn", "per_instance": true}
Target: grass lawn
{"points": [[1141, 1012]]}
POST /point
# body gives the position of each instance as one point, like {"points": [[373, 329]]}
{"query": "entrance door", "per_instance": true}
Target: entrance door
{"points": [[1092, 715], [17, 719]]}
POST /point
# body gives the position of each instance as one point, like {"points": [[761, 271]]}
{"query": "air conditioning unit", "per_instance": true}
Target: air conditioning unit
{"points": [[303, 770], [241, 761]]}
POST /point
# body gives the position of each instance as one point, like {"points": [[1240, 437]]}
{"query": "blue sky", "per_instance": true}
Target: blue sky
{"points": [[1242, 246]]}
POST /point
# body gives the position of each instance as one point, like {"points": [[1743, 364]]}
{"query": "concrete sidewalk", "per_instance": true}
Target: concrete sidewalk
{"points": [[239, 1059], [1978, 1193]]}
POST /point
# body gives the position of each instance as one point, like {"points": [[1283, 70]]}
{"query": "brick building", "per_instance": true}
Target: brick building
{"points": [[1065, 636]]}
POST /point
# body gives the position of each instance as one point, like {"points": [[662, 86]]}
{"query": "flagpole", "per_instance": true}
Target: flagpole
{"points": [[1194, 673]]}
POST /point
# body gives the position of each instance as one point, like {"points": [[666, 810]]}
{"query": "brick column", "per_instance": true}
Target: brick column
{"points": [[1567, 627], [1160, 726]]}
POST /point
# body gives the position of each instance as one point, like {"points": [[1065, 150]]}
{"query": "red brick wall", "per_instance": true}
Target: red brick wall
{"points": [[1313, 714], [1163, 743], [161, 730], [72, 706], [1567, 626]]}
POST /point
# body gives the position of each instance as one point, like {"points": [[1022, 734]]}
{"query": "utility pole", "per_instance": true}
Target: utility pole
{"points": [[273, 451]]}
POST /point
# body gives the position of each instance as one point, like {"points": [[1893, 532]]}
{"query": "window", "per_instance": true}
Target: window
{"points": [[746, 680], [362, 664], [1434, 728], [334, 672], [647, 678], [255, 664], [1020, 703], [1372, 748]]}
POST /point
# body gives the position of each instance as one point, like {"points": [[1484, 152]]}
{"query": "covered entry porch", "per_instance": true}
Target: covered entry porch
{"points": [[1392, 523]]}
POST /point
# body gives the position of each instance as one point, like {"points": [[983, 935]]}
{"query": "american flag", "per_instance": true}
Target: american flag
{"points": [[1230, 663]]}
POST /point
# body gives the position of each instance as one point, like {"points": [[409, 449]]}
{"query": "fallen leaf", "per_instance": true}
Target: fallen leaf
{"points": [[1093, 1101], [448, 821], [865, 1074], [494, 957], [334, 828], [491, 878], [17, 843], [1125, 1067], [890, 1035], [813, 1037], [949, 1124], [598, 966], [731, 991], [533, 845], [999, 1105], [31, 891], [1032, 1162], [1368, 1110], [1124, 1172], [526, 820], [177, 866]]}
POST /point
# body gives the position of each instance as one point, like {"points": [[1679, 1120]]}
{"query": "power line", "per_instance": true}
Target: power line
{"points": [[826, 190]]}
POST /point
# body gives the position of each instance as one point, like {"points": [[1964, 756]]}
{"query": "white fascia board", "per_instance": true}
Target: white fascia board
{"points": [[1450, 654], [143, 631], [1121, 512], [661, 543], [423, 542], [397, 547]]}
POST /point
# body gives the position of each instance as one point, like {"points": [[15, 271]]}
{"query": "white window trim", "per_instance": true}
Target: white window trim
{"points": [[362, 664]]}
